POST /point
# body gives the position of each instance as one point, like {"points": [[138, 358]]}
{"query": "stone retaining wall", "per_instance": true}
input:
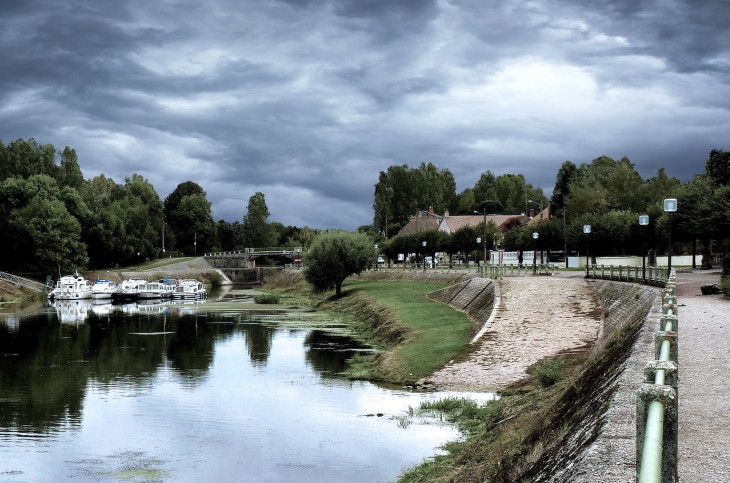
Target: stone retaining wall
{"points": [[600, 441], [474, 297]]}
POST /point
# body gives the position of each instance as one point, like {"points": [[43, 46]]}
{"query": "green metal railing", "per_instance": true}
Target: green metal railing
{"points": [[657, 276], [657, 402]]}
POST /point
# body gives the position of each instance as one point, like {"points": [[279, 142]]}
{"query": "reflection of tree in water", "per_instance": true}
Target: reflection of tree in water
{"points": [[191, 350], [258, 341], [328, 353], [42, 374]]}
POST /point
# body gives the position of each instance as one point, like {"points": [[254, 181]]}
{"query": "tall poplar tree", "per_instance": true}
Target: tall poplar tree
{"points": [[256, 229]]}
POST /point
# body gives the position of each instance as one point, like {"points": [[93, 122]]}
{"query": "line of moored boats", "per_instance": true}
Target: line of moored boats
{"points": [[76, 287]]}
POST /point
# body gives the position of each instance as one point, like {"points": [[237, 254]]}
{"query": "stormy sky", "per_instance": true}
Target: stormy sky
{"points": [[308, 100]]}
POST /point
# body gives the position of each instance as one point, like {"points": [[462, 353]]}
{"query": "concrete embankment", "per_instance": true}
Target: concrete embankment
{"points": [[599, 415]]}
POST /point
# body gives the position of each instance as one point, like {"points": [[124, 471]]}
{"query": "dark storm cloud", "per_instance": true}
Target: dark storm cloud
{"points": [[307, 100]]}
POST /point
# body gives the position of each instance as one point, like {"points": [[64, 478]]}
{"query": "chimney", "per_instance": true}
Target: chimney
{"points": [[446, 214], [532, 214]]}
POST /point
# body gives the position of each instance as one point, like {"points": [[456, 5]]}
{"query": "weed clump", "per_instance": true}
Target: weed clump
{"points": [[215, 278], [549, 371], [267, 298]]}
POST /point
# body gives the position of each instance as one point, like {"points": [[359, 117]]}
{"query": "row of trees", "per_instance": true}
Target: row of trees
{"points": [[607, 194], [402, 190], [52, 219]]}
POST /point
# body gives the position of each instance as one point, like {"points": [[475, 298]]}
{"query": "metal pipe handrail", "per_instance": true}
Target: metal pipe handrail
{"points": [[654, 465]]}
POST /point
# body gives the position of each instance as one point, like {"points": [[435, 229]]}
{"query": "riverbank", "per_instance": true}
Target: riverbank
{"points": [[414, 336]]}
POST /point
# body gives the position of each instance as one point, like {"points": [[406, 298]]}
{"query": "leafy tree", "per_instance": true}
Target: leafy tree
{"points": [[334, 256], [402, 190], [23, 159], [717, 167], [256, 229], [565, 176], [304, 237]]}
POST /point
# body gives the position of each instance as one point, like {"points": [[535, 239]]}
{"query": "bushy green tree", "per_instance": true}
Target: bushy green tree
{"points": [[256, 229], [334, 256]]}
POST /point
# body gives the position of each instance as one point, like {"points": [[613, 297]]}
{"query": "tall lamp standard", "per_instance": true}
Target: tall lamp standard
{"points": [[137, 260], [643, 221], [485, 233], [535, 235], [424, 254], [587, 231], [670, 206], [479, 240], [376, 257]]}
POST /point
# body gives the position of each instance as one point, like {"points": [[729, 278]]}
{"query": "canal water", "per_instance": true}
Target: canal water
{"points": [[95, 392]]}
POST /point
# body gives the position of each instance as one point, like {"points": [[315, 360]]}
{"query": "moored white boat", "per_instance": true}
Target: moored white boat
{"points": [[128, 289], [103, 289], [154, 290], [189, 289], [71, 287]]}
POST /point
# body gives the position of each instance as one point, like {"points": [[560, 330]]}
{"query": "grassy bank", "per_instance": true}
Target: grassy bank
{"points": [[418, 335]]}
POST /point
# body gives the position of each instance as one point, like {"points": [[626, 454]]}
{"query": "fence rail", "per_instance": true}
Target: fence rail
{"points": [[657, 401], [654, 275], [23, 282]]}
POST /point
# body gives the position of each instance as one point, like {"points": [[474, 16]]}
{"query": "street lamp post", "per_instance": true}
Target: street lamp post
{"points": [[643, 221], [485, 232], [137, 261], [195, 244], [376, 257], [587, 231], [535, 235], [479, 240], [670, 206], [424, 254], [565, 242]]}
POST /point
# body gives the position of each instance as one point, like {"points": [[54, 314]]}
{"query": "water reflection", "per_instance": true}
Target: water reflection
{"points": [[237, 390]]}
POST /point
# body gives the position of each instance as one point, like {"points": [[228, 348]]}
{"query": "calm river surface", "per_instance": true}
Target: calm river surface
{"points": [[181, 393]]}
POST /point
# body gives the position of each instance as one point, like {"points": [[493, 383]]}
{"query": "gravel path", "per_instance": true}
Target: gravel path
{"points": [[704, 371], [538, 317]]}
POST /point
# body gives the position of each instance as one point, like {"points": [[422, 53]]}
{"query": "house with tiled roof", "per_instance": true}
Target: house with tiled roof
{"points": [[542, 216], [428, 220], [424, 220], [451, 224]]}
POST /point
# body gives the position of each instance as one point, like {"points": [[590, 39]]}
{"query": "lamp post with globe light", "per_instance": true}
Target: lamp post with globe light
{"points": [[670, 206], [423, 243], [643, 221], [587, 231], [535, 236]]}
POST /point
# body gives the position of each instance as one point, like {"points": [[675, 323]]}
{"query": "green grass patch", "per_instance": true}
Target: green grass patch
{"points": [[267, 298], [420, 335], [549, 371]]}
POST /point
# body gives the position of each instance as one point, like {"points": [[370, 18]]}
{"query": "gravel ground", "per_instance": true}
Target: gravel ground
{"points": [[537, 317], [704, 371]]}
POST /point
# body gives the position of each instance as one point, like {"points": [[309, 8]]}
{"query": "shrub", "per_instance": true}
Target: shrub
{"points": [[215, 278], [549, 371], [266, 298]]}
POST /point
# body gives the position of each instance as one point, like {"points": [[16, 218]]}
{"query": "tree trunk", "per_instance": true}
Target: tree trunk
{"points": [[706, 265], [338, 288]]}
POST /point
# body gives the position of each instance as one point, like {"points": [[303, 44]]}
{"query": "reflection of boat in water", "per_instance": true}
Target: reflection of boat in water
{"points": [[102, 307], [155, 290], [153, 307], [189, 290], [72, 311], [130, 308], [71, 287], [103, 289]]}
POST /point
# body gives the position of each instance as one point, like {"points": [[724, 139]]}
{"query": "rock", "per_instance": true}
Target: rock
{"points": [[711, 289]]}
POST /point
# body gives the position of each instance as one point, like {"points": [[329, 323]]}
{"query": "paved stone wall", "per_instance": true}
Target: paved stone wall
{"points": [[600, 441], [474, 297]]}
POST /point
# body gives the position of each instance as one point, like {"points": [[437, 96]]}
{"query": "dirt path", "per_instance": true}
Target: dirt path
{"points": [[704, 373], [538, 317]]}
